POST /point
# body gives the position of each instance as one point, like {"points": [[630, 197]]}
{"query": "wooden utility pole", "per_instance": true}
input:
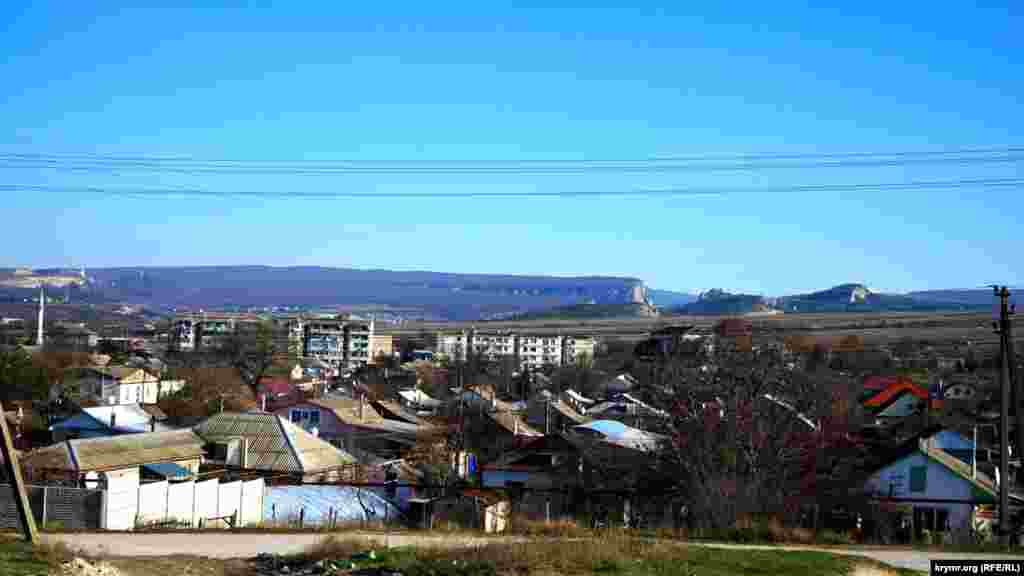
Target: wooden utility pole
{"points": [[28, 522], [1004, 420]]}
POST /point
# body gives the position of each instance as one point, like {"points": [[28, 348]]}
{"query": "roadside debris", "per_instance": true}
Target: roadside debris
{"points": [[271, 565], [82, 567]]}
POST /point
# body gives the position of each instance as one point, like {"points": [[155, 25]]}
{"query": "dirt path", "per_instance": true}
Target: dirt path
{"points": [[217, 545]]}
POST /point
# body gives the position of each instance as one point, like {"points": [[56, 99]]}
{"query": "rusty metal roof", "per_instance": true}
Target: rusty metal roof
{"points": [[274, 443], [115, 452]]}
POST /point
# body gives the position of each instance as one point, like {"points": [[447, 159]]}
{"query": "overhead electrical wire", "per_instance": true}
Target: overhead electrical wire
{"points": [[649, 192], [521, 169], [106, 158]]}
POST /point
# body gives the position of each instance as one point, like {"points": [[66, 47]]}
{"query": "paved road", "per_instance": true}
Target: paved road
{"points": [[246, 545]]}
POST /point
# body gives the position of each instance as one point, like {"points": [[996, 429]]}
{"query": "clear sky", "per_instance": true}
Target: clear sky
{"points": [[476, 81]]}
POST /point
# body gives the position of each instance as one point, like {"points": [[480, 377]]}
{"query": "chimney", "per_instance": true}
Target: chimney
{"points": [[113, 418]]}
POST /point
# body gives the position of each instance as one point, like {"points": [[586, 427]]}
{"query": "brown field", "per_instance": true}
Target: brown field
{"points": [[873, 328]]}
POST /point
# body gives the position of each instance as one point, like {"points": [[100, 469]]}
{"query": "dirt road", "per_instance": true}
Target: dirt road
{"points": [[244, 545]]}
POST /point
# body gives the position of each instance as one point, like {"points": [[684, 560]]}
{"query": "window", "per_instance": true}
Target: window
{"points": [[918, 478], [305, 417]]}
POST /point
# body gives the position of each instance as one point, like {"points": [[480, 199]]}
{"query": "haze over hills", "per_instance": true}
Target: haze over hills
{"points": [[444, 296], [416, 294]]}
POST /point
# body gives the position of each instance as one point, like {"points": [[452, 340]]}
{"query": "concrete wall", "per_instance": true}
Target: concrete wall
{"points": [[152, 503], [205, 505], [122, 503], [181, 502], [252, 502], [229, 498]]}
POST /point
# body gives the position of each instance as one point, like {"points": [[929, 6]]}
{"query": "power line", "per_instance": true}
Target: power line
{"points": [[418, 162], [509, 169], [655, 192]]}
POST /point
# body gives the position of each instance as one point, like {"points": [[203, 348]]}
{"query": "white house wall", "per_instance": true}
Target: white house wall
{"points": [[940, 483], [150, 392]]}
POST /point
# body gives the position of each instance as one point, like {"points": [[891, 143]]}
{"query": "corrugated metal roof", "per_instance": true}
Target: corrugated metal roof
{"points": [[347, 410], [274, 443], [169, 470], [114, 452], [128, 418]]}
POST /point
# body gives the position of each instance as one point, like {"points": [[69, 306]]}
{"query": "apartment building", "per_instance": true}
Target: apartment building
{"points": [[453, 345], [574, 348], [492, 345], [535, 351], [324, 340], [204, 330], [357, 343], [530, 350], [340, 342]]}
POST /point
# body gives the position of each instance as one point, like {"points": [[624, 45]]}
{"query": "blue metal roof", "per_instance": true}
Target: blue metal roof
{"points": [[610, 428], [168, 470]]}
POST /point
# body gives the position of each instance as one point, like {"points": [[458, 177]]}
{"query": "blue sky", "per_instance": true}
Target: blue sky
{"points": [[469, 82]]}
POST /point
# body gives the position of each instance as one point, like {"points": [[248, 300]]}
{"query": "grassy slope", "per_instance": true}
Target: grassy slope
{"points": [[20, 559], [613, 557]]}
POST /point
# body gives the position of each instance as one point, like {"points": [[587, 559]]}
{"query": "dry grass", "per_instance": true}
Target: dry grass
{"points": [[614, 554], [17, 558]]}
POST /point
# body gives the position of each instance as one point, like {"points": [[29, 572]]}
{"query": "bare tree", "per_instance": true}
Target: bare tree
{"points": [[252, 353], [747, 437]]}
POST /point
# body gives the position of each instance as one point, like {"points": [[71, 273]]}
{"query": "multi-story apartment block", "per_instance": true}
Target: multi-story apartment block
{"points": [[203, 330], [340, 342], [536, 351], [357, 343], [574, 348], [453, 345], [492, 345], [529, 350], [324, 339]]}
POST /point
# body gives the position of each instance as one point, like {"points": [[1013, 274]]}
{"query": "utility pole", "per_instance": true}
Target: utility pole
{"points": [[1004, 421], [28, 522]]}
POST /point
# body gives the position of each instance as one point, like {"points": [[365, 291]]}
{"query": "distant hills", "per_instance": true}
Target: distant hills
{"points": [[430, 295], [591, 312], [442, 296], [850, 297], [719, 301], [668, 299]]}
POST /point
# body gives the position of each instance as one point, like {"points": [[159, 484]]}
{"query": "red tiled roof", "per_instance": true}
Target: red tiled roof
{"points": [[901, 387]]}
